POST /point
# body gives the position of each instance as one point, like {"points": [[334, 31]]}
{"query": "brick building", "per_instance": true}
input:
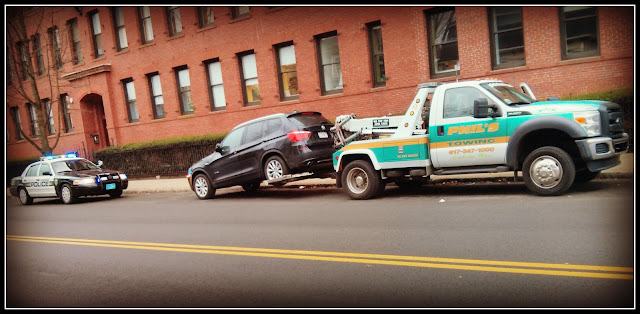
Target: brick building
{"points": [[135, 74]]}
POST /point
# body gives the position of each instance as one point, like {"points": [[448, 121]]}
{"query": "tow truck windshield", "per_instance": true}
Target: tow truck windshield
{"points": [[508, 94]]}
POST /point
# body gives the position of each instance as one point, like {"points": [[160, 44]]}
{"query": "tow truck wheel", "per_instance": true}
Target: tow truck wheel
{"points": [[202, 187], [360, 180], [584, 176], [66, 194], [548, 170], [25, 199]]}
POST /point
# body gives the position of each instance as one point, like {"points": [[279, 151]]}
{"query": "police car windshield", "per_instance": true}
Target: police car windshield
{"points": [[73, 165], [508, 94]]}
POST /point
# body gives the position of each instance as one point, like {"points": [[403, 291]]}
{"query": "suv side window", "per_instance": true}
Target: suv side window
{"points": [[233, 139], [272, 126], [44, 168], [254, 132], [33, 170]]}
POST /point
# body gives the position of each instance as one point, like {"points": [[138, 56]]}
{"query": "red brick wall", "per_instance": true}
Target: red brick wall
{"points": [[405, 51]]}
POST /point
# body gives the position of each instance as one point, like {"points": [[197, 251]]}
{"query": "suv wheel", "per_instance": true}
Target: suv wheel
{"points": [[275, 168], [24, 196], [202, 187]]}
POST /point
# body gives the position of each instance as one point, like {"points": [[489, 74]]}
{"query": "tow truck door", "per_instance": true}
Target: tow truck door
{"points": [[457, 138]]}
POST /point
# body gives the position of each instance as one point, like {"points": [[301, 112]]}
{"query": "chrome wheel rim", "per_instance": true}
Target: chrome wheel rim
{"points": [[274, 170], [546, 172], [202, 188], [357, 180], [66, 194], [23, 196]]}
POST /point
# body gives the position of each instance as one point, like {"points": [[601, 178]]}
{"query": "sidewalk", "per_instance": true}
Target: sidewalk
{"points": [[624, 170]]}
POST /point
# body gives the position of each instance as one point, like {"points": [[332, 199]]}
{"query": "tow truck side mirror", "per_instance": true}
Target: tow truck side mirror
{"points": [[482, 109]]}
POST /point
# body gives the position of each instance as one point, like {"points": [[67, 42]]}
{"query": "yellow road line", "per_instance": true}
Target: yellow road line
{"points": [[380, 259]]}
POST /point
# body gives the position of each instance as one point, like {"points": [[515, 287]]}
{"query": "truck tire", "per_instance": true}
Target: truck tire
{"points": [[584, 176], [360, 180], [202, 187], [548, 170]]}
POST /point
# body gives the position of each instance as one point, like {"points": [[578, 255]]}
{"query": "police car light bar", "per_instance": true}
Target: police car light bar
{"points": [[50, 157]]}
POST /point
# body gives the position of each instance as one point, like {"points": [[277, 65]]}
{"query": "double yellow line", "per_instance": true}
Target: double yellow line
{"points": [[590, 271]]}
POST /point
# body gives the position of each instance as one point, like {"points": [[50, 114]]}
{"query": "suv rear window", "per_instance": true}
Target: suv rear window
{"points": [[303, 120]]}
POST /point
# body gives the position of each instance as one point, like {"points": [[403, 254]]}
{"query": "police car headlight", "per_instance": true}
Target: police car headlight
{"points": [[123, 176], [85, 181], [590, 122]]}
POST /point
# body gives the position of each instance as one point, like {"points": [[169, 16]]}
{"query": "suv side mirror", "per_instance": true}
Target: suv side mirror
{"points": [[482, 109], [99, 163]]}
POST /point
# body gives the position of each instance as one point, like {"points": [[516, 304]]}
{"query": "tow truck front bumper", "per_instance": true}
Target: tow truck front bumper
{"points": [[602, 153]]}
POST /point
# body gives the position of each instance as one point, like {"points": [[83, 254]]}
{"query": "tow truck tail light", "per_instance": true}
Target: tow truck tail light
{"points": [[297, 135]]}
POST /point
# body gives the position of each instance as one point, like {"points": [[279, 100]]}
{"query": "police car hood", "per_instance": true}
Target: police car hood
{"points": [[89, 173], [542, 107]]}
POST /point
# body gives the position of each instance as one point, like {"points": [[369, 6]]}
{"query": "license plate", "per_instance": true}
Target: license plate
{"points": [[323, 135], [110, 186]]}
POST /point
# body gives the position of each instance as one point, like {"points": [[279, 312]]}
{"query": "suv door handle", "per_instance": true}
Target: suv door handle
{"points": [[440, 130]]}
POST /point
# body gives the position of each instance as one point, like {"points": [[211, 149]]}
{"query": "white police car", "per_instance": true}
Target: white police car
{"points": [[66, 177]]}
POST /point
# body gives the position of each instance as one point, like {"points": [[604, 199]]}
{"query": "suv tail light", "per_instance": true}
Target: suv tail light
{"points": [[297, 135]]}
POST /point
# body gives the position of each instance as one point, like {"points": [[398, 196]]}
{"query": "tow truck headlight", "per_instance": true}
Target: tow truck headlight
{"points": [[590, 121]]}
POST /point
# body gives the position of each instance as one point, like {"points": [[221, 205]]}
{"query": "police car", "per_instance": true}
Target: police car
{"points": [[66, 177]]}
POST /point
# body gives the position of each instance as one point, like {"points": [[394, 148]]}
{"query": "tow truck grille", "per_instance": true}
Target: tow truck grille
{"points": [[612, 120]]}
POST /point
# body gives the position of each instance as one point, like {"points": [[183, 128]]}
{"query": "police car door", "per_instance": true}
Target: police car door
{"points": [[462, 140], [45, 180], [30, 180]]}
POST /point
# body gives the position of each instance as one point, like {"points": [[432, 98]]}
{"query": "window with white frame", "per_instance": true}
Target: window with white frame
{"points": [[157, 102], [287, 71], [130, 97], [184, 89], [216, 88], [249, 76]]}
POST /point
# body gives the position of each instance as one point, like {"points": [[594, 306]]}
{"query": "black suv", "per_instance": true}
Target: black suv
{"points": [[266, 148]]}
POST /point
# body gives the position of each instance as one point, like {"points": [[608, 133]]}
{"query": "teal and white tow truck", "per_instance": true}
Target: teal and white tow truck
{"points": [[480, 126]]}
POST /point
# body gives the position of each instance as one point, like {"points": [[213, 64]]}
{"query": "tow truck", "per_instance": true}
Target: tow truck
{"points": [[479, 126]]}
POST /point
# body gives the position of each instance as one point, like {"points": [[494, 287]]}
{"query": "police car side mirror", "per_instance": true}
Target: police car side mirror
{"points": [[99, 163], [218, 148], [482, 109]]}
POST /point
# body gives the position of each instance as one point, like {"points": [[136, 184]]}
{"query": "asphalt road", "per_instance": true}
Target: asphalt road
{"points": [[468, 245]]}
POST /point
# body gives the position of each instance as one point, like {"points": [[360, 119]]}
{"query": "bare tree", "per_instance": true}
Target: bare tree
{"points": [[49, 59]]}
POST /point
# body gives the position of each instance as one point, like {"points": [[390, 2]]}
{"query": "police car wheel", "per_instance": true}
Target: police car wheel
{"points": [[115, 193], [66, 194], [25, 199]]}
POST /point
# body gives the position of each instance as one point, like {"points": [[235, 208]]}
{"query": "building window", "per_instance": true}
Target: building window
{"points": [[9, 69], [249, 75], [238, 12], [175, 24], [205, 16], [96, 32], [130, 97], [47, 109], [287, 72], [579, 32], [184, 89], [76, 47], [33, 119], [66, 112], [23, 50], [121, 32], [54, 40], [443, 41], [157, 102], [216, 89], [507, 37], [146, 30], [37, 49], [329, 58], [376, 52], [15, 113]]}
